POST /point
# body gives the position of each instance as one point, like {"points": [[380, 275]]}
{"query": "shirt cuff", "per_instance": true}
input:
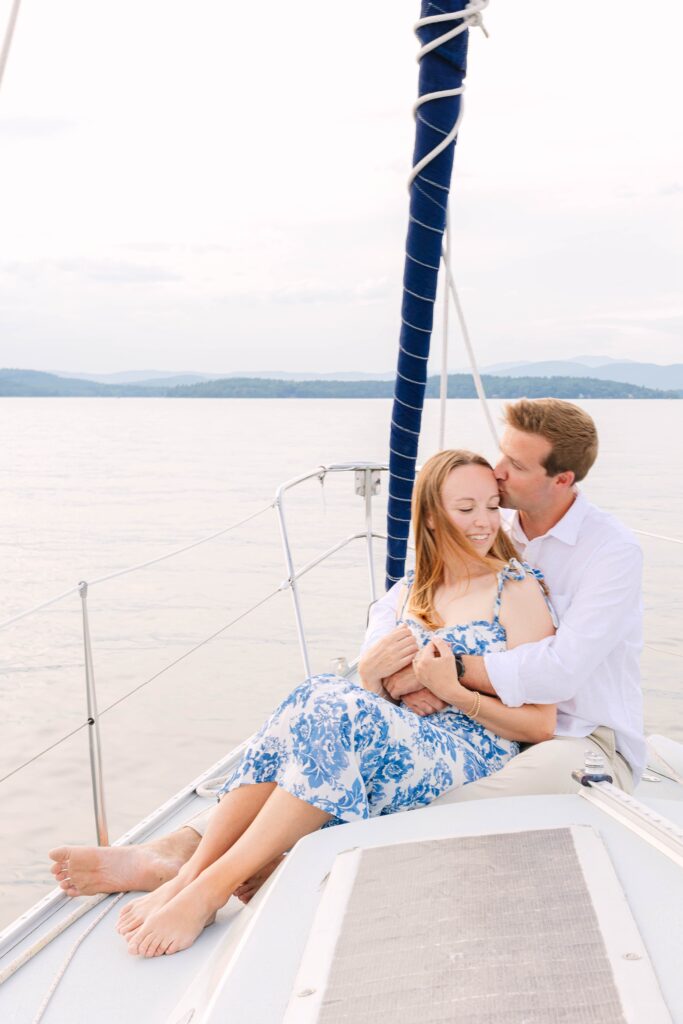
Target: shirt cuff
{"points": [[503, 672]]}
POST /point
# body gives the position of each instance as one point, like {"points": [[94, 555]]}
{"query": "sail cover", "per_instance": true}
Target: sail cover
{"points": [[442, 70]]}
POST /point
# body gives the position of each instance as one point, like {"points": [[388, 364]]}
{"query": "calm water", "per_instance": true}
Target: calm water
{"points": [[90, 486]]}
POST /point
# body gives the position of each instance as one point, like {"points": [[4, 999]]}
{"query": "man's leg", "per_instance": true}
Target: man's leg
{"points": [[86, 870], [546, 768]]}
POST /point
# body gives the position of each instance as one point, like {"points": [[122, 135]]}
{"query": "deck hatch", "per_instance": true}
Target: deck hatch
{"points": [[488, 929]]}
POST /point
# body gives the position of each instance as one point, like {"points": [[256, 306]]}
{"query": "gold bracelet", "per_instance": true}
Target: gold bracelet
{"points": [[474, 710]]}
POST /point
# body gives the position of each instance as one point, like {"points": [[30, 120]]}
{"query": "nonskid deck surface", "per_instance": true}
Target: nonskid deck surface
{"points": [[105, 984], [457, 934]]}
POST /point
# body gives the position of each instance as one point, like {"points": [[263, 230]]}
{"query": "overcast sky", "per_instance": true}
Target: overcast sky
{"points": [[218, 186]]}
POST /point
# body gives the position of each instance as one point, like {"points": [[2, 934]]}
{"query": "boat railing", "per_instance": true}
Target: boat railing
{"points": [[367, 476]]}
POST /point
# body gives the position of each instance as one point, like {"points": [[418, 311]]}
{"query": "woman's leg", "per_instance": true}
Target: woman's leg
{"points": [[233, 815], [282, 821]]}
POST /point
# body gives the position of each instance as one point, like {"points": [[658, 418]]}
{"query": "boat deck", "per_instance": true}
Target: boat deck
{"points": [[243, 968]]}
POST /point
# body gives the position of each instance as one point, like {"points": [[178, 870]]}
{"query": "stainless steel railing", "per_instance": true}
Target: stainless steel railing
{"points": [[367, 482]]}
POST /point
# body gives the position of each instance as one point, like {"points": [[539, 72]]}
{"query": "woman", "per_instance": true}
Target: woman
{"points": [[334, 751]]}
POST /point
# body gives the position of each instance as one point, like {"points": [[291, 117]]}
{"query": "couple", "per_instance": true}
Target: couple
{"points": [[424, 725]]}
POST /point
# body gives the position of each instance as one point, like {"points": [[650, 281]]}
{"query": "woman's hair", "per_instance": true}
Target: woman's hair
{"points": [[442, 541]]}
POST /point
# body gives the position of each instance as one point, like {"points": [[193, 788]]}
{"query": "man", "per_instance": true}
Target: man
{"points": [[592, 565]]}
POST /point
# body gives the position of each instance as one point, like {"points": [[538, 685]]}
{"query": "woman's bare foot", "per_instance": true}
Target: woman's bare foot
{"points": [[252, 885], [137, 911], [176, 925], [86, 870]]}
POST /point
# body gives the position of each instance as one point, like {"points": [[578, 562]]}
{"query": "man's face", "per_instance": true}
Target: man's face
{"points": [[523, 482]]}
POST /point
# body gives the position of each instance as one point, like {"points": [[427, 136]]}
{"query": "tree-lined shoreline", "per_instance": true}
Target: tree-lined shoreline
{"points": [[35, 384]]}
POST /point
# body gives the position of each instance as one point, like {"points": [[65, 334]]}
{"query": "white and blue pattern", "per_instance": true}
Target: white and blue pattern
{"points": [[355, 755]]}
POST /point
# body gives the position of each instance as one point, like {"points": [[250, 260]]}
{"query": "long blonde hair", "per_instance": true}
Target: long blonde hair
{"points": [[442, 541]]}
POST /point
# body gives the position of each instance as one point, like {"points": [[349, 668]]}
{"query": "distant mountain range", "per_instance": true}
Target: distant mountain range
{"points": [[162, 378], [33, 383], [649, 375]]}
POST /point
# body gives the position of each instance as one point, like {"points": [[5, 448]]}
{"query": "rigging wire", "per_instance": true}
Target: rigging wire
{"points": [[478, 383], [146, 682], [134, 568], [443, 384], [9, 33]]}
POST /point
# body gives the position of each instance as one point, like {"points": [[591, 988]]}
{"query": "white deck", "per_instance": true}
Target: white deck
{"points": [[242, 969]]}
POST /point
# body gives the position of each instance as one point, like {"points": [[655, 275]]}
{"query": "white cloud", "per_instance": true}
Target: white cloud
{"points": [[203, 192]]}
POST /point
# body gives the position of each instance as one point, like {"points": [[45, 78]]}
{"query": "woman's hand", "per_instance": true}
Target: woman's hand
{"points": [[423, 702], [435, 669], [392, 653]]}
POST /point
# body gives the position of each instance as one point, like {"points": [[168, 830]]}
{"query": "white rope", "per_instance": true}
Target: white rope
{"points": [[69, 957], [447, 139], [469, 17], [53, 933]]}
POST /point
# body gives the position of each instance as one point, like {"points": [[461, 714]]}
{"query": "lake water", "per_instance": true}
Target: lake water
{"points": [[90, 486]]}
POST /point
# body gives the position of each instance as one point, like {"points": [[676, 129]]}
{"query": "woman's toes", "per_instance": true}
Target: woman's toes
{"points": [[137, 944], [153, 947]]}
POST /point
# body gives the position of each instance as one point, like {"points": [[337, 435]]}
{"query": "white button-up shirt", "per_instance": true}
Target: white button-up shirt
{"points": [[593, 567]]}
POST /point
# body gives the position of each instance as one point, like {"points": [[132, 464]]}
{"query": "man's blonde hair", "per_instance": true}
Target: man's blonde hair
{"points": [[570, 431]]}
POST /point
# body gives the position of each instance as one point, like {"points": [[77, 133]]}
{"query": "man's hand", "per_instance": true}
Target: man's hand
{"points": [[423, 702], [435, 669], [399, 684], [393, 652]]}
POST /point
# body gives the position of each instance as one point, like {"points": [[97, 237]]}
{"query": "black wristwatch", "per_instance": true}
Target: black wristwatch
{"points": [[459, 666]]}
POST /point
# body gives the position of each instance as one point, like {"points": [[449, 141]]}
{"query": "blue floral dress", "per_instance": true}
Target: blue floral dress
{"points": [[355, 755]]}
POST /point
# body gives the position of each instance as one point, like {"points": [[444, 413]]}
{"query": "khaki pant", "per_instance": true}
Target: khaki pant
{"points": [[547, 768], [541, 768]]}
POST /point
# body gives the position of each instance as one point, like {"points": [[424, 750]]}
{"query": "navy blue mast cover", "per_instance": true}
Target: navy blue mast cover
{"points": [[442, 68]]}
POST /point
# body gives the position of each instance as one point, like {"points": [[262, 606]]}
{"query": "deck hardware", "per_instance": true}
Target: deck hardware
{"points": [[306, 992], [661, 833], [368, 481], [367, 478], [632, 956], [340, 666], [594, 770], [94, 741]]}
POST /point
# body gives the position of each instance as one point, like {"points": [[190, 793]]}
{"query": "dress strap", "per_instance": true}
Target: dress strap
{"points": [[408, 581], [516, 570]]}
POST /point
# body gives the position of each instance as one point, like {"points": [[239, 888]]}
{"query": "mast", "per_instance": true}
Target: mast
{"points": [[443, 60]]}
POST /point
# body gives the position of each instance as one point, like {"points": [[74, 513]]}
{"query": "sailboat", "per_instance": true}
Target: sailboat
{"points": [[524, 909]]}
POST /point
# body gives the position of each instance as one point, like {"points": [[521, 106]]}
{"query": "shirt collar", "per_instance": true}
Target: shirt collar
{"points": [[566, 530]]}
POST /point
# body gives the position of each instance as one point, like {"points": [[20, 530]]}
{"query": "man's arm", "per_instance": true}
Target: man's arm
{"points": [[382, 616], [597, 619]]}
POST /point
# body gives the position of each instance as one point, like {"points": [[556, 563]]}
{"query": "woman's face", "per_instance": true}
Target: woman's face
{"points": [[471, 501]]}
